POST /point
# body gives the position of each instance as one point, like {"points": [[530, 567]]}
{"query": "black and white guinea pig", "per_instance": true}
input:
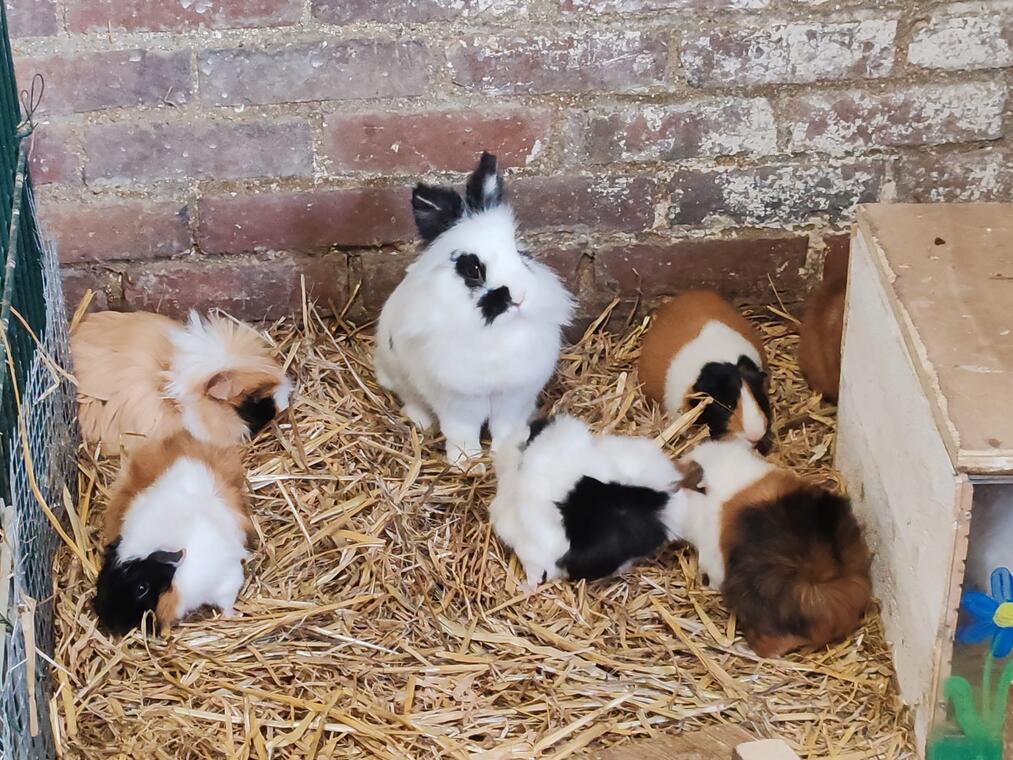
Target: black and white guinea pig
{"points": [[699, 343], [177, 529], [788, 556], [472, 333], [572, 504]]}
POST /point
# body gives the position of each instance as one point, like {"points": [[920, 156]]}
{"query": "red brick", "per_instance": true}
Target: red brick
{"points": [[248, 288], [32, 18], [798, 52], [169, 15], [309, 221], [639, 6], [773, 194], [978, 175], [919, 115], [410, 143], [736, 267], [617, 61], [77, 282], [648, 132], [84, 82], [51, 159], [131, 152], [124, 229], [591, 203], [333, 70], [964, 42], [409, 11], [377, 274]]}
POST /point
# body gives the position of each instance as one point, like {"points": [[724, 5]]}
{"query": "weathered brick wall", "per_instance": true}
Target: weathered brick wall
{"points": [[212, 151]]}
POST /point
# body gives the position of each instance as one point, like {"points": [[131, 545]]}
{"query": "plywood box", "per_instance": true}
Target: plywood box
{"points": [[926, 413]]}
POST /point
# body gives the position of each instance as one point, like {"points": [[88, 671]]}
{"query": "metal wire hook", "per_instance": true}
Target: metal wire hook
{"points": [[30, 101]]}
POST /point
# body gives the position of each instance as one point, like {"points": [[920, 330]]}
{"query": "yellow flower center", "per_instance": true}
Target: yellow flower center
{"points": [[1003, 616]]}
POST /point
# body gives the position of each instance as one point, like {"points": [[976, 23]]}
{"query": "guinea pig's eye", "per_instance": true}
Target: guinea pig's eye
{"points": [[141, 589]]}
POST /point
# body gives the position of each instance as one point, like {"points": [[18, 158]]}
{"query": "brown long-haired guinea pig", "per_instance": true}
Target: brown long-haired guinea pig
{"points": [[819, 349], [143, 374], [699, 343], [788, 556]]}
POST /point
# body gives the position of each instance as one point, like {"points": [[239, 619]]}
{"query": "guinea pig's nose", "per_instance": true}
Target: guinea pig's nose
{"points": [[518, 299]]}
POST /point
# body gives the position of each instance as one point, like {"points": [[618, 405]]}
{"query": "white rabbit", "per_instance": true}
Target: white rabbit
{"points": [[472, 333], [576, 505]]}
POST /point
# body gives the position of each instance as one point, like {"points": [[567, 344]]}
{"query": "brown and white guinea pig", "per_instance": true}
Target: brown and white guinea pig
{"points": [[141, 374], [177, 529], [787, 555], [819, 349], [699, 343]]}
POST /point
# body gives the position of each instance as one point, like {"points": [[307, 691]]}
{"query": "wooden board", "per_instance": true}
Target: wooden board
{"points": [[712, 743], [949, 275], [913, 504]]}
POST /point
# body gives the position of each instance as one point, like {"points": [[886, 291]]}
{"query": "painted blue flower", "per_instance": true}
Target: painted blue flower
{"points": [[991, 616]]}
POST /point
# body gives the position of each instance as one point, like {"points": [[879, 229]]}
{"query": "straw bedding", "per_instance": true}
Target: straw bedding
{"points": [[382, 618]]}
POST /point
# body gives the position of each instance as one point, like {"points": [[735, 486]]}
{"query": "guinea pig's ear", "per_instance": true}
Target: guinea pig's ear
{"points": [[485, 187], [436, 210], [692, 475], [221, 386], [168, 558]]}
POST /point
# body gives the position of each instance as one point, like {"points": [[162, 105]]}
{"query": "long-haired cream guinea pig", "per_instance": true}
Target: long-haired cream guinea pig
{"points": [[788, 556], [472, 333], [177, 529], [822, 329], [572, 504], [141, 374], [699, 343]]}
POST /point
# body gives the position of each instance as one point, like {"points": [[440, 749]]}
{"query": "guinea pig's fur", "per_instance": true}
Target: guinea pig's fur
{"points": [[473, 331], [575, 505], [822, 329], [991, 542], [176, 531], [141, 374], [788, 556], [699, 343]]}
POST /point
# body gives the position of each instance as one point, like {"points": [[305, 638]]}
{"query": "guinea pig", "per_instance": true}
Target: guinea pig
{"points": [[177, 529], [822, 329], [141, 374], [990, 545], [473, 332], [788, 556], [576, 505], [699, 343]]}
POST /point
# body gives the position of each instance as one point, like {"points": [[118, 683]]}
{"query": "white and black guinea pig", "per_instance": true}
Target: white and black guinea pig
{"points": [[177, 529], [699, 343], [141, 374], [788, 556], [472, 333], [572, 504]]}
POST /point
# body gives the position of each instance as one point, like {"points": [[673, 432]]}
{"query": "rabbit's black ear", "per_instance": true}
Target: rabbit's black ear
{"points": [[436, 210], [485, 186]]}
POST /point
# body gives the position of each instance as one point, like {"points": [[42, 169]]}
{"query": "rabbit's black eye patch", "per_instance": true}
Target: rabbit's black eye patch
{"points": [[470, 269]]}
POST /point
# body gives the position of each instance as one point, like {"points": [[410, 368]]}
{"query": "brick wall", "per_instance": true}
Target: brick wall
{"points": [[213, 151]]}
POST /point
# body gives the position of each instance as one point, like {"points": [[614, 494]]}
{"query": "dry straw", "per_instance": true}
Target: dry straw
{"points": [[382, 618]]}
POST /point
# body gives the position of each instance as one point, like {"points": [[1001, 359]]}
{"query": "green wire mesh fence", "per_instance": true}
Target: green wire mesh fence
{"points": [[37, 439]]}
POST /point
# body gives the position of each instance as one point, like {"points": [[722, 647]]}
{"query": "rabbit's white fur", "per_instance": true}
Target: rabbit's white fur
{"points": [[533, 479], [438, 353]]}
